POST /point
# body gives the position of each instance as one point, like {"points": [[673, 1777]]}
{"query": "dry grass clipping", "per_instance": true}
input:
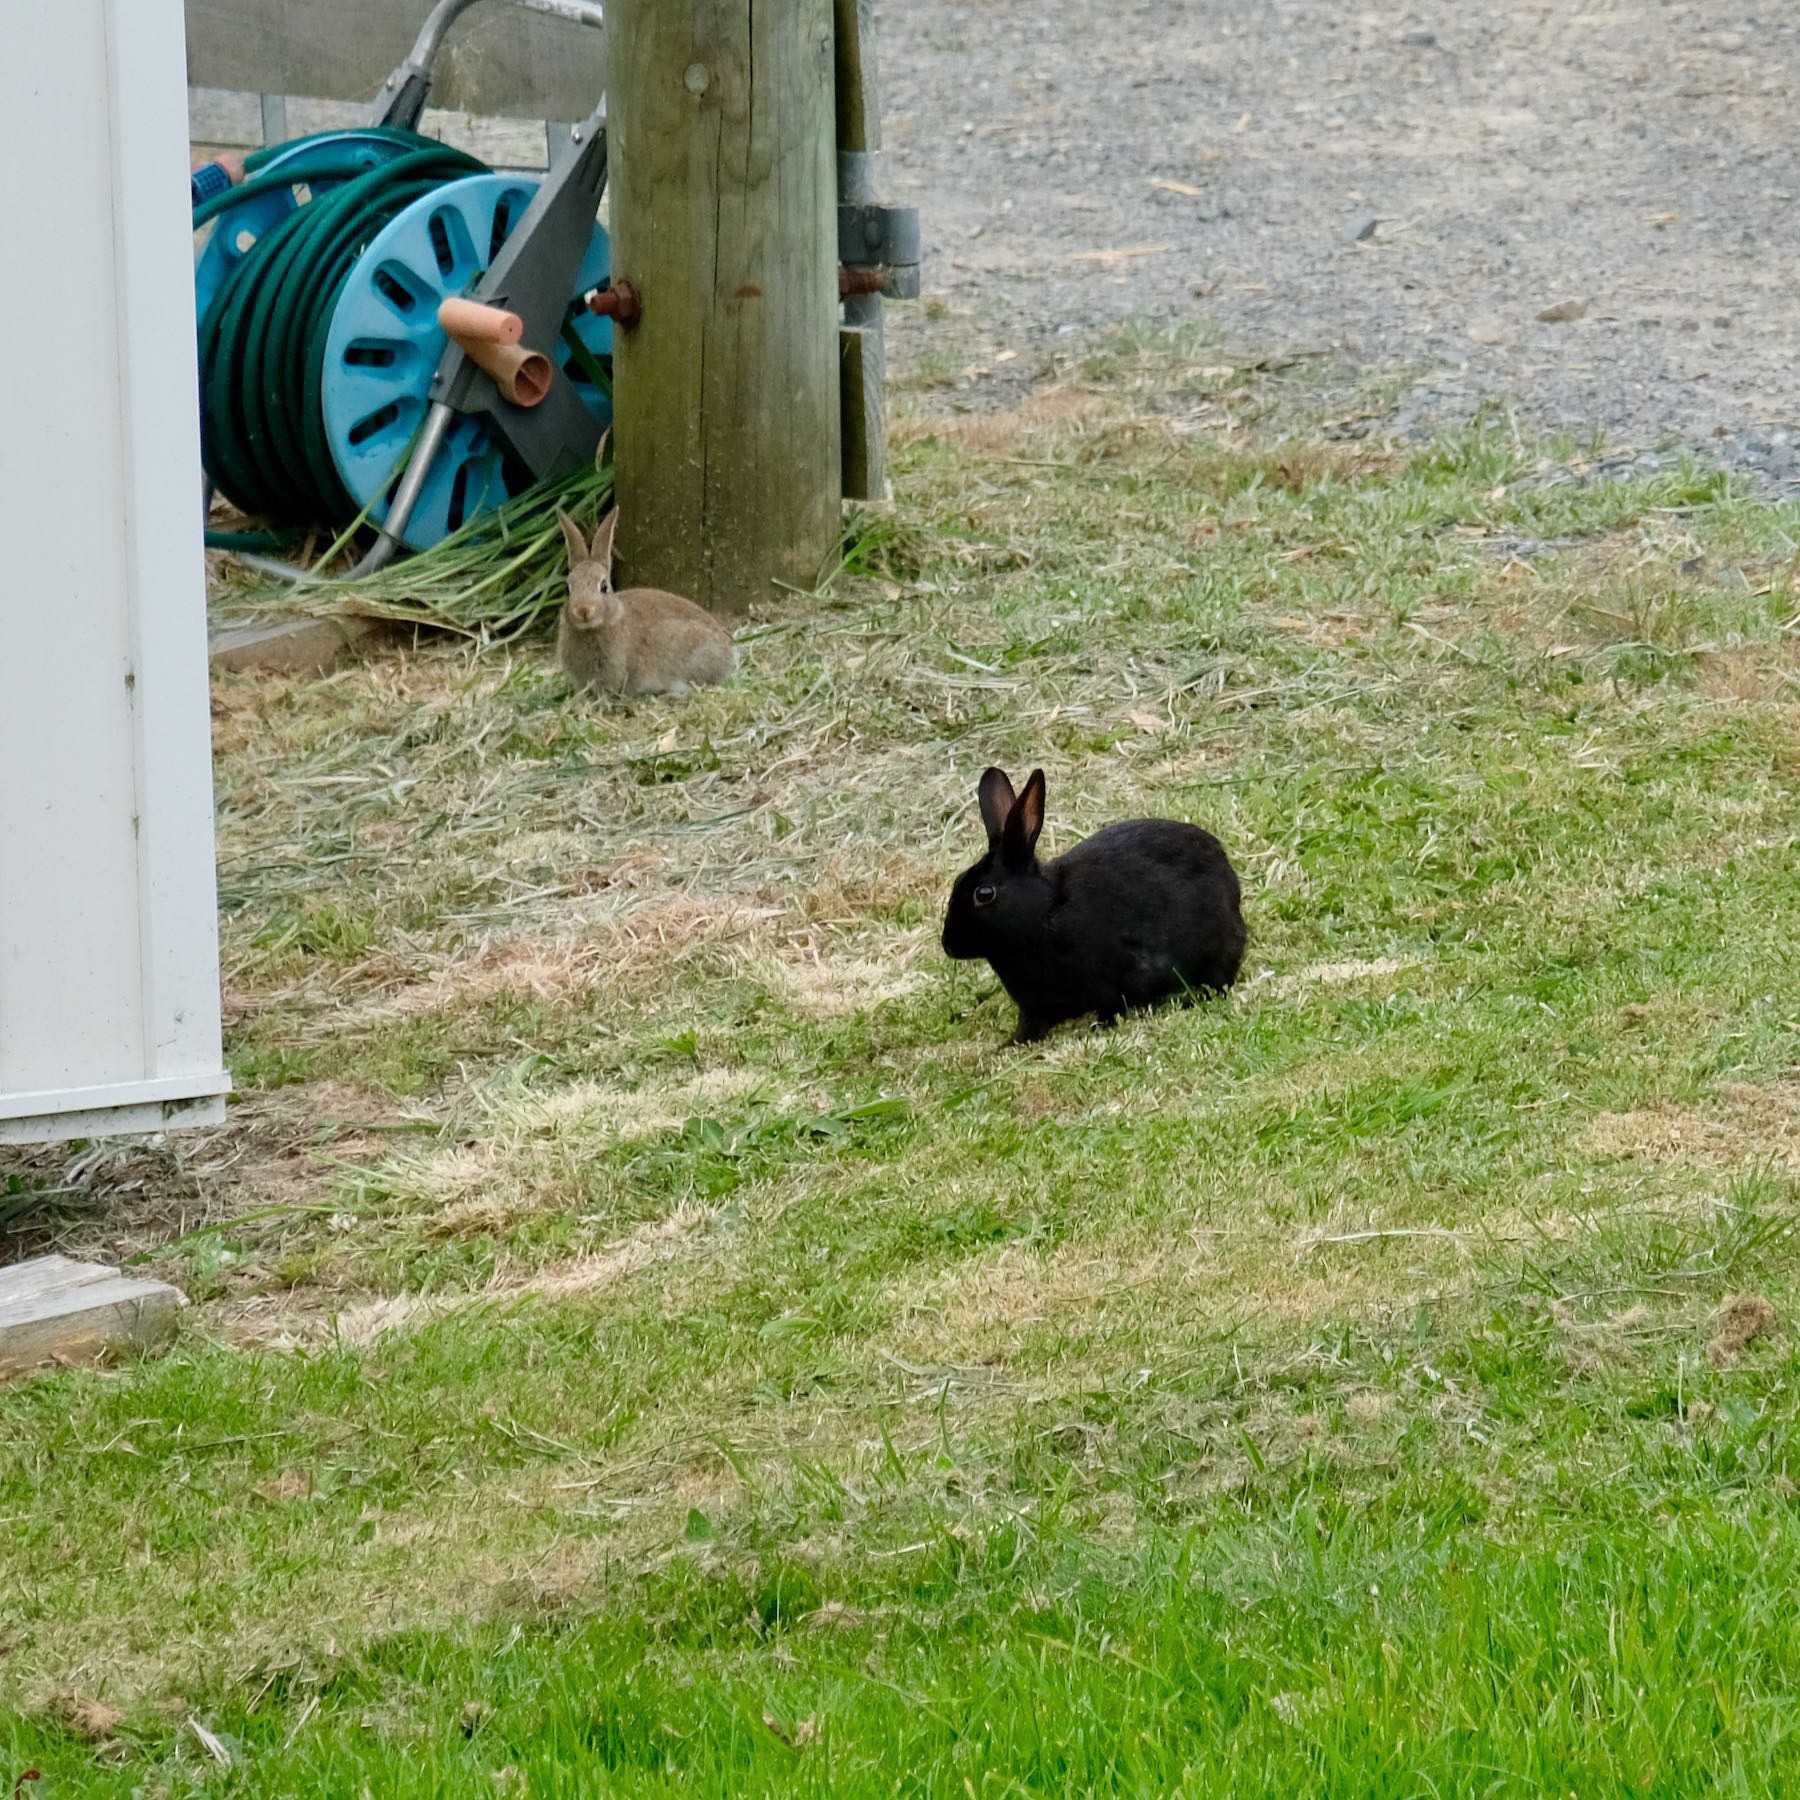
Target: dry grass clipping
{"points": [[81, 1715], [1738, 1323], [1747, 1125]]}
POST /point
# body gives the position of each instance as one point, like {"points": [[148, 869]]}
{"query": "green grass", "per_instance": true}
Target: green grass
{"points": [[653, 1335]]}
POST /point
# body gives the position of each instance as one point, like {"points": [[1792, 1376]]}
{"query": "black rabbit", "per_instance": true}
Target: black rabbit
{"points": [[1135, 914]]}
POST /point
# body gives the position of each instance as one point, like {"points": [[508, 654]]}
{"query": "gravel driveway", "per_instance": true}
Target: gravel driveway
{"points": [[1416, 189]]}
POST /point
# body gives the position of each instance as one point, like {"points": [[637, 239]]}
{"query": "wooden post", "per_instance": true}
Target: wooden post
{"points": [[724, 216], [862, 347]]}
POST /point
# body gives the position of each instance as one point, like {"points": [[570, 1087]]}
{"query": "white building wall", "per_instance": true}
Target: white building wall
{"points": [[109, 996]]}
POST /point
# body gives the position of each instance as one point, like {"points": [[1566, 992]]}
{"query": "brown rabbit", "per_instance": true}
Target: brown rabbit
{"points": [[642, 641]]}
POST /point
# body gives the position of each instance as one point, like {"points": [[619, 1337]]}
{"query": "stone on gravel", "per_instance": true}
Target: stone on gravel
{"points": [[1362, 228], [1564, 312]]}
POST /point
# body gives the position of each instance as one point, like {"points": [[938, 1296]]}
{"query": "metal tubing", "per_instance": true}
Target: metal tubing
{"points": [[431, 34], [431, 440], [267, 565], [381, 552]]}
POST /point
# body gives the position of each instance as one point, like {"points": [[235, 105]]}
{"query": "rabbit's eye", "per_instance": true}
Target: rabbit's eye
{"points": [[986, 894]]}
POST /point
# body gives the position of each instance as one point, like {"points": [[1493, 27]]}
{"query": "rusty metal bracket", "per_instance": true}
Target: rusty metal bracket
{"points": [[872, 236], [862, 281], [619, 301]]}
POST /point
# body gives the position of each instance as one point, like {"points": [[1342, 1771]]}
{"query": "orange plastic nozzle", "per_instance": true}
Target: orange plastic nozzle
{"points": [[470, 323], [522, 375]]}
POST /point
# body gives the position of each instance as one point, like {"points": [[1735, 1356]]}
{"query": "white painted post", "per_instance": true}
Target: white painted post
{"points": [[109, 972]]}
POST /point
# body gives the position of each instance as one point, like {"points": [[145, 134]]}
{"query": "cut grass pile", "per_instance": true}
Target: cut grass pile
{"points": [[492, 578], [654, 1334]]}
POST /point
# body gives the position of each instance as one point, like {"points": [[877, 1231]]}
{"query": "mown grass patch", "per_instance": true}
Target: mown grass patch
{"points": [[652, 1331]]}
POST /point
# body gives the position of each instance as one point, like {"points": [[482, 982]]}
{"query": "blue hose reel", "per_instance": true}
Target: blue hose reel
{"points": [[384, 345], [385, 369]]}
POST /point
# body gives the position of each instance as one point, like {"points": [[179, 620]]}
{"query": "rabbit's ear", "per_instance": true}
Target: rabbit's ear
{"points": [[996, 794], [578, 551], [602, 550], [1024, 822]]}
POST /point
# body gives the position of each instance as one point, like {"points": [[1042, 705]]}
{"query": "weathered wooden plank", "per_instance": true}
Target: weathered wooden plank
{"points": [[863, 340], [862, 378], [43, 1275], [54, 1310], [858, 80], [498, 60], [724, 214], [222, 120], [219, 118]]}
